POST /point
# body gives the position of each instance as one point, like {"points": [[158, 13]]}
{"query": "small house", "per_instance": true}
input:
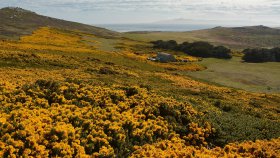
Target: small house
{"points": [[165, 57]]}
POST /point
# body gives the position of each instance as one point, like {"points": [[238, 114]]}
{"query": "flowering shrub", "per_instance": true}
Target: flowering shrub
{"points": [[176, 148], [69, 119], [50, 39]]}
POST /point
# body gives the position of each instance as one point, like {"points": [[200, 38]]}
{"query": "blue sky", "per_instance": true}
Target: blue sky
{"points": [[219, 12]]}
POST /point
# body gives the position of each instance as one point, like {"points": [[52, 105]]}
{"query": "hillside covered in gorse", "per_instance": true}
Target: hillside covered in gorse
{"points": [[66, 93]]}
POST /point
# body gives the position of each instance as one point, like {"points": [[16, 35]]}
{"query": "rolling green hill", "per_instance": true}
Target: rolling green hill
{"points": [[236, 38], [16, 22]]}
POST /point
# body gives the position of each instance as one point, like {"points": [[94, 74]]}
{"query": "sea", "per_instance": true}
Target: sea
{"points": [[154, 27]]}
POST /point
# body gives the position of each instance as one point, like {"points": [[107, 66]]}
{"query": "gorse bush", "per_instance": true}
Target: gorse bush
{"points": [[198, 49], [236, 115], [76, 119], [177, 148], [51, 39]]}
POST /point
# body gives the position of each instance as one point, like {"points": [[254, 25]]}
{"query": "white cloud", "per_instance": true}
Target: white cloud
{"points": [[259, 11]]}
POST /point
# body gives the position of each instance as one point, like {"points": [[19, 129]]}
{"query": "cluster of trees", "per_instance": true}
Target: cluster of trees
{"points": [[261, 55], [198, 49]]}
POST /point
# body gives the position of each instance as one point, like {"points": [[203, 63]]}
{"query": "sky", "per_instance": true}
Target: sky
{"points": [[218, 12]]}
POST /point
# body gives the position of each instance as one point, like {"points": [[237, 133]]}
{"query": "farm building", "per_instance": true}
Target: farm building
{"points": [[165, 57]]}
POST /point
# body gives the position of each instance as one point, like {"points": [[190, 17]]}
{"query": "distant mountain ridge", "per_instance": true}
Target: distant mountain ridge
{"points": [[242, 37], [209, 22], [15, 22], [182, 21], [260, 29], [233, 37]]}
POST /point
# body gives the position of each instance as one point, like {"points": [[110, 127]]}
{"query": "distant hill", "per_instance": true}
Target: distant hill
{"points": [[183, 21], [233, 37], [18, 21]]}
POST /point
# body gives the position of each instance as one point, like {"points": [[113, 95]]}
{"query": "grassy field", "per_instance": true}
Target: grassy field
{"points": [[256, 77]]}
